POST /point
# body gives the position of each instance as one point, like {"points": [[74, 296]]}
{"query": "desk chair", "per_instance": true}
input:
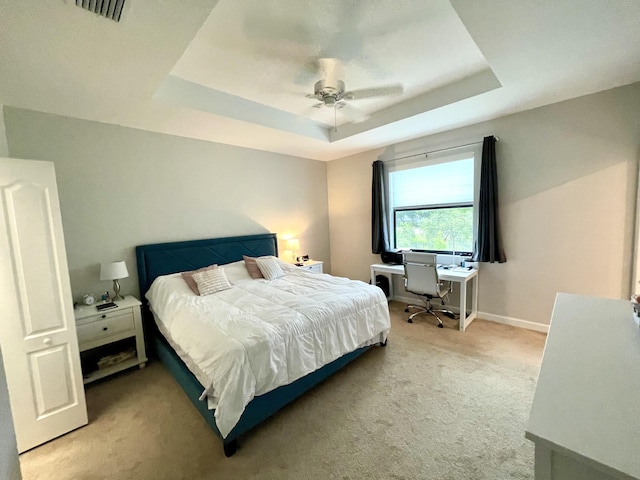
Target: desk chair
{"points": [[421, 278]]}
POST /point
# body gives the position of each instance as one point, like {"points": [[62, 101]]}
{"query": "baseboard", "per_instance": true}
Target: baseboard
{"points": [[514, 322]]}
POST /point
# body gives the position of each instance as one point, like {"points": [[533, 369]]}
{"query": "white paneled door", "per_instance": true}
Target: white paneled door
{"points": [[37, 326]]}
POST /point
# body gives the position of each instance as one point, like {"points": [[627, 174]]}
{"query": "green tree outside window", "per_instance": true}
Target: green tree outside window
{"points": [[442, 229]]}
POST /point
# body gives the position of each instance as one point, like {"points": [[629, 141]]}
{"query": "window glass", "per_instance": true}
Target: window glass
{"points": [[432, 205], [438, 229]]}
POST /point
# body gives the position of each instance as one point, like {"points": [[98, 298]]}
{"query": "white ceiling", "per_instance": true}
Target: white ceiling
{"points": [[238, 71]]}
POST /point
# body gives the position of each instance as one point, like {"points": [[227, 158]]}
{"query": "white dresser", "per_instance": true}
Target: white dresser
{"points": [[585, 417]]}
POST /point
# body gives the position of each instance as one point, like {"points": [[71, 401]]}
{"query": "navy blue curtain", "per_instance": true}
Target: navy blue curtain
{"points": [[379, 230], [489, 247]]}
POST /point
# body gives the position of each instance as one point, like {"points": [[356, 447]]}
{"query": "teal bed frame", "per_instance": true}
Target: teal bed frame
{"points": [[166, 258]]}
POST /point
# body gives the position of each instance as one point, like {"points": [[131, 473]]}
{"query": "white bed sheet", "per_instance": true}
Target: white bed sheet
{"points": [[260, 335]]}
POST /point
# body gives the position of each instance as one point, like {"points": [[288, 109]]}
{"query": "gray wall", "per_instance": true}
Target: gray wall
{"points": [[4, 146], [121, 187], [567, 182]]}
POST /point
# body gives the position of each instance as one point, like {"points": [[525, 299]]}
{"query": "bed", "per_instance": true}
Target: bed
{"points": [[165, 261]]}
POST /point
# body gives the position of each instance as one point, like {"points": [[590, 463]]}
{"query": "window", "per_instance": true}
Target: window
{"points": [[432, 202]]}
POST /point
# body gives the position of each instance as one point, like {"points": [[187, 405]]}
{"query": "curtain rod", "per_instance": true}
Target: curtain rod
{"points": [[440, 150]]}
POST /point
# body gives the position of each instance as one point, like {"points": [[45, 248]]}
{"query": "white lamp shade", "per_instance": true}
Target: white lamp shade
{"points": [[113, 271], [293, 244]]}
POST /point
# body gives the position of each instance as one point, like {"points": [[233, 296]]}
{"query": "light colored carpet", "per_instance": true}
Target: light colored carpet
{"points": [[434, 404]]}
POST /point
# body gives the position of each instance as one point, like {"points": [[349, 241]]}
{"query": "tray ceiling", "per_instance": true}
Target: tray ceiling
{"points": [[239, 72]]}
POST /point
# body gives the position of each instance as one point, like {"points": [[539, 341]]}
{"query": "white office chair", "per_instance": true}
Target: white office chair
{"points": [[421, 278]]}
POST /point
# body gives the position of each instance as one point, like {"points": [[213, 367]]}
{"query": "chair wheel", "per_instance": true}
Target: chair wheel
{"points": [[406, 310], [451, 315], [440, 325], [410, 321]]}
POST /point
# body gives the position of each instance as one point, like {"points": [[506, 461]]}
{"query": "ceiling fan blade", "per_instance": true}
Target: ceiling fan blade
{"points": [[318, 105], [395, 89]]}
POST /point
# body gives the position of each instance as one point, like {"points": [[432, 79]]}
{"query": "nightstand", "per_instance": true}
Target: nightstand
{"points": [[312, 266], [111, 340]]}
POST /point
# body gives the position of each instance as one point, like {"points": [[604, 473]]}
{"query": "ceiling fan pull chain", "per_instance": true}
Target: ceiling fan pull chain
{"points": [[335, 119]]}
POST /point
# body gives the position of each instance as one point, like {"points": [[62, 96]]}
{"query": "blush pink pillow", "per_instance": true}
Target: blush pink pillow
{"points": [[188, 277], [252, 267]]}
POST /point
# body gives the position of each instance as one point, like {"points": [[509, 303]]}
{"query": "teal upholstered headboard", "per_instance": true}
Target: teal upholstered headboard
{"points": [[166, 258]]}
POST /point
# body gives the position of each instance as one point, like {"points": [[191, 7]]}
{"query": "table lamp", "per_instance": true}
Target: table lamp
{"points": [[114, 271], [294, 245]]}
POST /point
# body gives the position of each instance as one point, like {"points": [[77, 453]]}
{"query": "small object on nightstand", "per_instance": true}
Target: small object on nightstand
{"points": [[106, 306], [89, 299], [113, 360]]}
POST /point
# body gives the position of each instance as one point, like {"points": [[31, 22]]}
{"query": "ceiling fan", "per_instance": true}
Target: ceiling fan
{"points": [[331, 92]]}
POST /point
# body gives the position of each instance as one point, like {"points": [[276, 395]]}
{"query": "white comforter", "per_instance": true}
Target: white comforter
{"points": [[259, 335]]}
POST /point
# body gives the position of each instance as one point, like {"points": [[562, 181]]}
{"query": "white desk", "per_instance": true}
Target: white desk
{"points": [[461, 276], [584, 417]]}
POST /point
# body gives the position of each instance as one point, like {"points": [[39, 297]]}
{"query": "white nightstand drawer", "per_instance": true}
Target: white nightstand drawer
{"points": [[312, 266], [107, 324]]}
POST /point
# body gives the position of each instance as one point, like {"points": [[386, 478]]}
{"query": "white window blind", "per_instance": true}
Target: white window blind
{"points": [[439, 184]]}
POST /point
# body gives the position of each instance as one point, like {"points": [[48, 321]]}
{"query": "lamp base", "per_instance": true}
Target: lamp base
{"points": [[116, 291]]}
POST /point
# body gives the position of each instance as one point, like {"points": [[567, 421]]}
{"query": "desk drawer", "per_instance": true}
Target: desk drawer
{"points": [[115, 322]]}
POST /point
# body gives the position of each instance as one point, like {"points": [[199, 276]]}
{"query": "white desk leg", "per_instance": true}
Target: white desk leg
{"points": [[373, 276], [474, 309], [463, 305], [542, 465]]}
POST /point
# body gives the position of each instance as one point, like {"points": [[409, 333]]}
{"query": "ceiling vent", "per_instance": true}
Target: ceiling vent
{"points": [[106, 8]]}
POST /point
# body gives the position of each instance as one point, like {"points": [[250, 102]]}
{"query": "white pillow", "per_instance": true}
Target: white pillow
{"points": [[236, 272], [269, 267], [211, 281]]}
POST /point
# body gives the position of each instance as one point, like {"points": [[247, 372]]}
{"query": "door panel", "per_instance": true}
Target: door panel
{"points": [[52, 386], [29, 223], [38, 340]]}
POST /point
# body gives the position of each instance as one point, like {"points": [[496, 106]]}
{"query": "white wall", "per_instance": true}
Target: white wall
{"points": [[121, 187], [567, 184]]}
